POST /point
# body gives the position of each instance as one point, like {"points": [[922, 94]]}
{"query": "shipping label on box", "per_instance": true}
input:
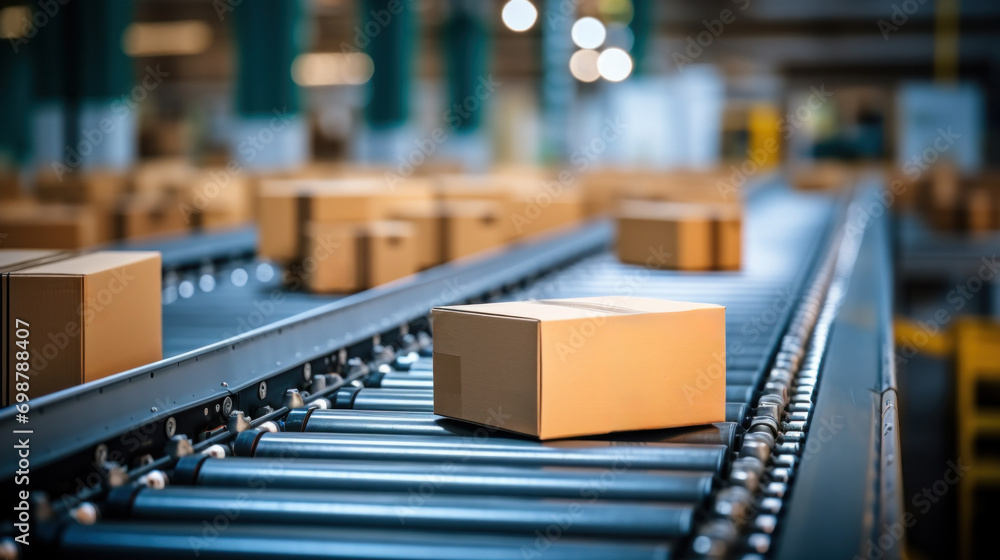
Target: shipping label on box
{"points": [[574, 367]]}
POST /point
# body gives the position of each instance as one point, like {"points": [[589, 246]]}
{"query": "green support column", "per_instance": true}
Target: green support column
{"points": [[641, 26], [466, 50], [15, 103], [558, 88], [48, 119], [100, 100], [386, 32], [270, 130], [389, 37]]}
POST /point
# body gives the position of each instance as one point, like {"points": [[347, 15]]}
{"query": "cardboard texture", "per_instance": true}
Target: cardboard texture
{"points": [[286, 206], [89, 316], [351, 257], [501, 190], [52, 226], [680, 236], [10, 186], [452, 229], [12, 260], [101, 187], [147, 214], [550, 368], [537, 211]]}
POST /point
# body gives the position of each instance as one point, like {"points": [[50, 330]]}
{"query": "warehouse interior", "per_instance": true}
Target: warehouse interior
{"points": [[454, 279]]}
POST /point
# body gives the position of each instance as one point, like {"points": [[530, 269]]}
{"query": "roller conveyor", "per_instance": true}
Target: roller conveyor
{"points": [[385, 510], [160, 541], [431, 449], [409, 423], [364, 440], [304, 474]]}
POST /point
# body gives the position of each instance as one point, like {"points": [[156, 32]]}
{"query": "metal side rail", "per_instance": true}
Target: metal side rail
{"points": [[847, 503]]}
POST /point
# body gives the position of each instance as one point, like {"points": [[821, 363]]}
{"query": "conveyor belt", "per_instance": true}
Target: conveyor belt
{"points": [[370, 455]]}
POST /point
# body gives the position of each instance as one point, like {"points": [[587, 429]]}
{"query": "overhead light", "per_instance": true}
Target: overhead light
{"points": [[332, 69], [15, 21], [519, 15], [588, 33], [614, 65], [583, 65], [167, 38]]}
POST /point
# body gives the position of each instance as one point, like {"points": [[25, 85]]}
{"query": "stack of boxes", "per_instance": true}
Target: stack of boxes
{"points": [[82, 208], [681, 220], [70, 318], [348, 234], [950, 201]]}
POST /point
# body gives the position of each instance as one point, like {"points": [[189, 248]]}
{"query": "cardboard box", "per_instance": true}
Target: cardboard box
{"points": [[822, 176], [12, 260], [679, 236], [543, 366], [147, 214], [87, 316], [501, 190], [286, 206], [445, 231], [100, 187], [536, 210], [352, 257], [51, 226], [216, 199], [10, 186]]}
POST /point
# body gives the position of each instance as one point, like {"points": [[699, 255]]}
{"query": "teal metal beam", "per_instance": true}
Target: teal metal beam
{"points": [[388, 36], [269, 35], [466, 47]]}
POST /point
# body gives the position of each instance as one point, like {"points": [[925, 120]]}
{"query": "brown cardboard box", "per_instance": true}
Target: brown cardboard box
{"points": [[450, 230], [286, 206], [12, 260], [88, 317], [101, 187], [145, 214], [51, 226], [216, 199], [542, 366], [822, 176], [500, 190], [10, 186], [536, 210], [679, 236], [350, 257]]}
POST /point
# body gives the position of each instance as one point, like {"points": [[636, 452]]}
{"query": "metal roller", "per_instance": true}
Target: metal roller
{"points": [[384, 399], [317, 474], [376, 399], [563, 453], [411, 423], [412, 511], [406, 381], [161, 541]]}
